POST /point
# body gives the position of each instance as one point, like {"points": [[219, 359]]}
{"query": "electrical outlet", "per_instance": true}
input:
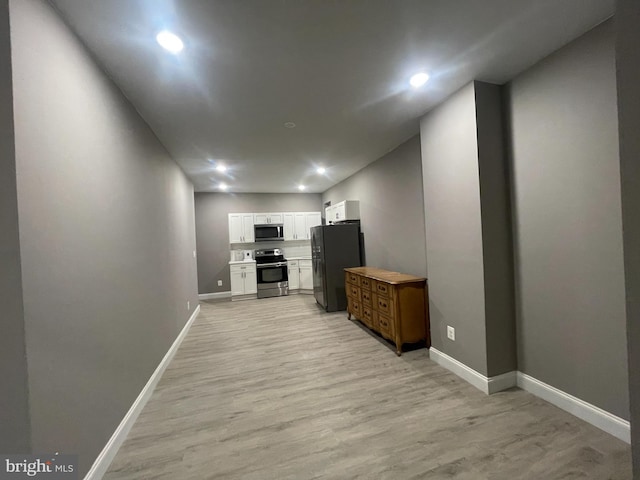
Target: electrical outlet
{"points": [[451, 333], [194, 254], [219, 283], [188, 305]]}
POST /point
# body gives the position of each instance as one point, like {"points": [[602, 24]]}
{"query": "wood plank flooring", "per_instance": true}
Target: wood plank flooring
{"points": [[277, 389]]}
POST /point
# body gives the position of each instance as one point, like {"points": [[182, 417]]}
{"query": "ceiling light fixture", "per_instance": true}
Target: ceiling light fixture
{"points": [[170, 41], [418, 79], [223, 186], [301, 187], [221, 168], [321, 170], [290, 125]]}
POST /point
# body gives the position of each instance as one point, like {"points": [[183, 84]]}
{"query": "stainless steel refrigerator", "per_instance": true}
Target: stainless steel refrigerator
{"points": [[334, 248]]}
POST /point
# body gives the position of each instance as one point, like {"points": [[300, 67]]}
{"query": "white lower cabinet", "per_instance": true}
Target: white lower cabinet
{"points": [[244, 279], [294, 275], [306, 275]]}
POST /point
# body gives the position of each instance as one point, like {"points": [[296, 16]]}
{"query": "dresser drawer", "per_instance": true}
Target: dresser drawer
{"points": [[365, 283], [367, 317], [353, 292], [382, 289], [366, 297], [375, 325], [356, 308], [385, 325], [385, 306], [353, 279]]}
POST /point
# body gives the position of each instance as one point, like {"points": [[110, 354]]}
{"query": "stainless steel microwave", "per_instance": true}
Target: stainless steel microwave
{"points": [[269, 232]]}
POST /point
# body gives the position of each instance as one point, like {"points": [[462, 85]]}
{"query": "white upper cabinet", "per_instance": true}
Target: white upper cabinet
{"points": [[289, 226], [298, 224], [341, 211], [241, 228], [265, 218], [312, 219]]}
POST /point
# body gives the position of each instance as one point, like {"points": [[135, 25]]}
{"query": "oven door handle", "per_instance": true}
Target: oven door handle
{"points": [[279, 264]]}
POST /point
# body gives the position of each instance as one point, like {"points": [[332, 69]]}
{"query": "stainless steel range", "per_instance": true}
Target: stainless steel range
{"points": [[273, 276]]}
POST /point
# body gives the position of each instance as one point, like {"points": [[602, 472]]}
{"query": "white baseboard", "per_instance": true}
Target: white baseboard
{"points": [[102, 462], [596, 416], [214, 296], [486, 384]]}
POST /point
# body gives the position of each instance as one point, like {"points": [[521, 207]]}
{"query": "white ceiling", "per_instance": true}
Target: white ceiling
{"points": [[338, 69]]}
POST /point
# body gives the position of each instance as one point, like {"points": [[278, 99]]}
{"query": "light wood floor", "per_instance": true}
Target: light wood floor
{"points": [[277, 389]]}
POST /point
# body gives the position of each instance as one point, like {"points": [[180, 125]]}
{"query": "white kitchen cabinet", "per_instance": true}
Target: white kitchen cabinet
{"points": [[341, 211], [288, 222], [243, 279], [241, 228], [329, 214], [294, 275], [306, 275], [312, 219], [298, 224], [265, 218]]}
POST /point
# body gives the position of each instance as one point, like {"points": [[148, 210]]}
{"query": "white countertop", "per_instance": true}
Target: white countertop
{"points": [[235, 262], [298, 258]]}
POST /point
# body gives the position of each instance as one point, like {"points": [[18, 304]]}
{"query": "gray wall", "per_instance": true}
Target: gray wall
{"points": [[107, 238], [391, 209], [212, 227], [14, 407], [468, 229], [567, 223], [497, 241], [628, 79]]}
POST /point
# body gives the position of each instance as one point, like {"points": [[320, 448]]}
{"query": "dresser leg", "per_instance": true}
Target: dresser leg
{"points": [[348, 315]]}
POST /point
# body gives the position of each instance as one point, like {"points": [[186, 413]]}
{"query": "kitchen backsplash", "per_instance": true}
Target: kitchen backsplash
{"points": [[290, 248]]}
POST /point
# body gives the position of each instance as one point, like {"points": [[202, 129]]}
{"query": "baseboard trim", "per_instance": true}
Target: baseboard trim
{"points": [[102, 462], [483, 383], [214, 296], [596, 416]]}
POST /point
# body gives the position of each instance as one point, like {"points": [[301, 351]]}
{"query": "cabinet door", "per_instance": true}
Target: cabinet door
{"points": [[299, 224], [250, 280], [327, 214], [289, 229], [294, 276], [237, 281], [260, 218], [276, 218], [306, 275], [312, 219], [339, 212], [236, 228], [247, 223]]}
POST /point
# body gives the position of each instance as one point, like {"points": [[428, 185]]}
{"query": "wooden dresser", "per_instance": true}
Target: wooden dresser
{"points": [[390, 303]]}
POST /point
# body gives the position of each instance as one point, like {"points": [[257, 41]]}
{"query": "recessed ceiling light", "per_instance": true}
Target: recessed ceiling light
{"points": [[321, 170], [301, 187], [290, 125], [418, 79], [223, 186], [170, 41], [221, 168]]}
